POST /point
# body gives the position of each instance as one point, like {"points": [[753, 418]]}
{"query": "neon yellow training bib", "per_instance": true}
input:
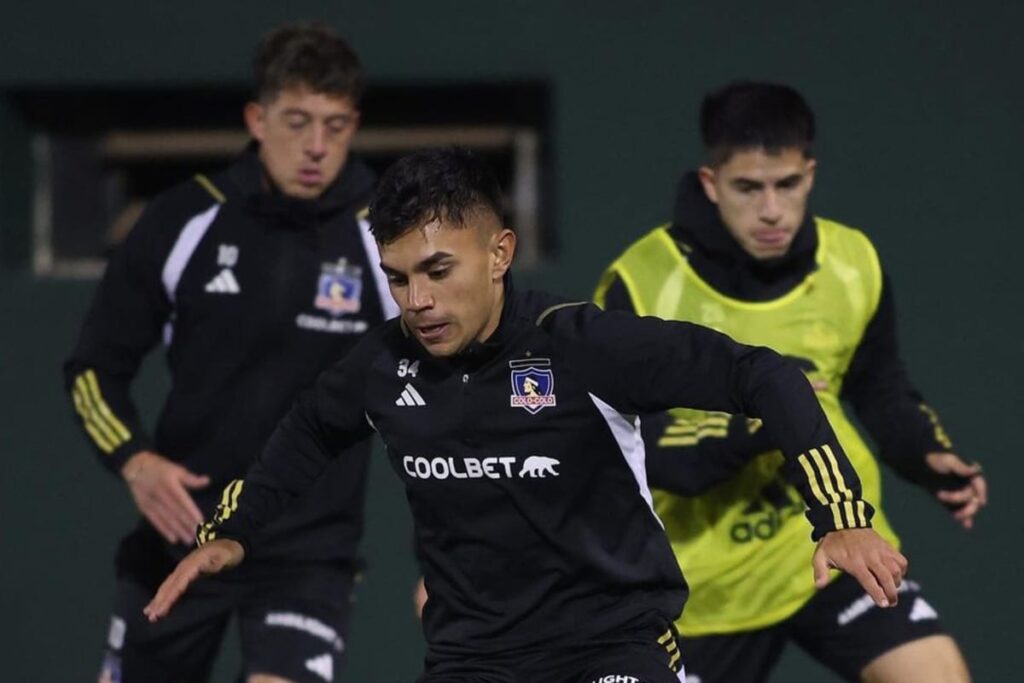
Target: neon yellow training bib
{"points": [[745, 546]]}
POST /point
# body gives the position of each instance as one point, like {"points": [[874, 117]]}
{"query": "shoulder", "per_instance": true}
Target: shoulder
{"points": [[836, 234], [163, 220], [854, 250], [580, 323], [173, 208]]}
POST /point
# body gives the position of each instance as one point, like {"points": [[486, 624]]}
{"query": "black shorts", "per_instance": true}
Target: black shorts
{"points": [[293, 623], [840, 627], [649, 655]]}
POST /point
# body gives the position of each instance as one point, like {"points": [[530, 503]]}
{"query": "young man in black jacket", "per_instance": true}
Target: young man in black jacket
{"points": [[744, 256], [510, 418], [256, 279]]}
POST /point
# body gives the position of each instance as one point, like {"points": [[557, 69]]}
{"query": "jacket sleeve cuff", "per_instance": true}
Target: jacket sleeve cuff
{"points": [[853, 514], [115, 461]]}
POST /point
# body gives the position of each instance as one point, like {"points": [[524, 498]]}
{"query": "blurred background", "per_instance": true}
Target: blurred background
{"points": [[588, 110]]}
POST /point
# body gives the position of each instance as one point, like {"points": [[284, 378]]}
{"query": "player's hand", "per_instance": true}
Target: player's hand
{"points": [[160, 488], [968, 500], [419, 597], [865, 556], [211, 558]]}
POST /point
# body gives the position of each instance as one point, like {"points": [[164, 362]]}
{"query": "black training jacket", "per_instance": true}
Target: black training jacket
{"points": [[524, 466], [252, 294]]}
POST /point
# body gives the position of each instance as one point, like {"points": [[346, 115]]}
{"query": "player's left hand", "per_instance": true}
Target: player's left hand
{"points": [[210, 558], [867, 557], [968, 500]]}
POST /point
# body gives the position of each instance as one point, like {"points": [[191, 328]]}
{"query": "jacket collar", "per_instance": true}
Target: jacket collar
{"points": [[351, 188]]}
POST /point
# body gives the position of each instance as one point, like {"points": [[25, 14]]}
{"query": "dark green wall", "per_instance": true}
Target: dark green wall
{"points": [[919, 108]]}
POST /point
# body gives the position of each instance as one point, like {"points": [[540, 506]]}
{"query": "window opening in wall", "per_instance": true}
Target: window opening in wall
{"points": [[99, 157]]}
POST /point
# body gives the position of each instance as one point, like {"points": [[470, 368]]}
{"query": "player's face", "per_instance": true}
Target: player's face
{"points": [[304, 138], [761, 197], [447, 279]]}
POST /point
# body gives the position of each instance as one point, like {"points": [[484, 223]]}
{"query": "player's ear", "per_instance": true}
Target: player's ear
{"points": [[810, 168], [255, 116], [503, 250], [707, 175]]}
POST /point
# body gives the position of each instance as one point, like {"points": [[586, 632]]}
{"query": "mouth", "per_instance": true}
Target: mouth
{"points": [[772, 237], [432, 334], [310, 176]]}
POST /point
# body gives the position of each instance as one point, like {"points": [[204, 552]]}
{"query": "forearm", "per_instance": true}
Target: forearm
{"points": [[324, 422], [690, 452], [891, 409], [107, 414], [816, 464]]}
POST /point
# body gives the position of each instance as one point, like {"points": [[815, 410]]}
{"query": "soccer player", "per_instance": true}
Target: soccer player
{"points": [[743, 255], [256, 279], [509, 417]]}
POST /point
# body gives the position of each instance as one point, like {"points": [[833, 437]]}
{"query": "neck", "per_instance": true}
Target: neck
{"points": [[495, 317]]}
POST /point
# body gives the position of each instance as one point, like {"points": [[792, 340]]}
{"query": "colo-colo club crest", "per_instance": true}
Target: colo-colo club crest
{"points": [[340, 288], [533, 384]]}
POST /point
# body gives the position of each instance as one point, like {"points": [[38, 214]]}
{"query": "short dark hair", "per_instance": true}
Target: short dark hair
{"points": [[307, 54], [435, 184], [747, 115]]}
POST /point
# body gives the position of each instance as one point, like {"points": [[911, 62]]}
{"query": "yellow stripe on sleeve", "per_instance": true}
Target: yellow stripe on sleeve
{"points": [[104, 409], [837, 515], [97, 436], [861, 515], [851, 518], [837, 509], [812, 480], [840, 481], [238, 492], [677, 441], [825, 477], [703, 430], [229, 501], [205, 533], [939, 431], [94, 423]]}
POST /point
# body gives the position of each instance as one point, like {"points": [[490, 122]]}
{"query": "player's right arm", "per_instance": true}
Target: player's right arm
{"points": [[641, 365], [688, 451], [123, 323], [324, 422]]}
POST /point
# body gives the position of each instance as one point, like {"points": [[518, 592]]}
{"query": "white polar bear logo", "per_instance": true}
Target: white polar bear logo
{"points": [[538, 466]]}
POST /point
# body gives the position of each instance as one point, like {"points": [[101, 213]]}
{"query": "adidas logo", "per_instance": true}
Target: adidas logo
{"points": [[322, 666], [922, 610], [410, 397], [224, 283]]}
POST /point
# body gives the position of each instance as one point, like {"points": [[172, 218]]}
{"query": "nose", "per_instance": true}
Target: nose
{"points": [[419, 296], [771, 209], [316, 143]]}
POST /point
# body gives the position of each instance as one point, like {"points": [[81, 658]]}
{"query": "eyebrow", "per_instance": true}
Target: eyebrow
{"points": [[421, 267], [750, 182], [297, 111]]}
